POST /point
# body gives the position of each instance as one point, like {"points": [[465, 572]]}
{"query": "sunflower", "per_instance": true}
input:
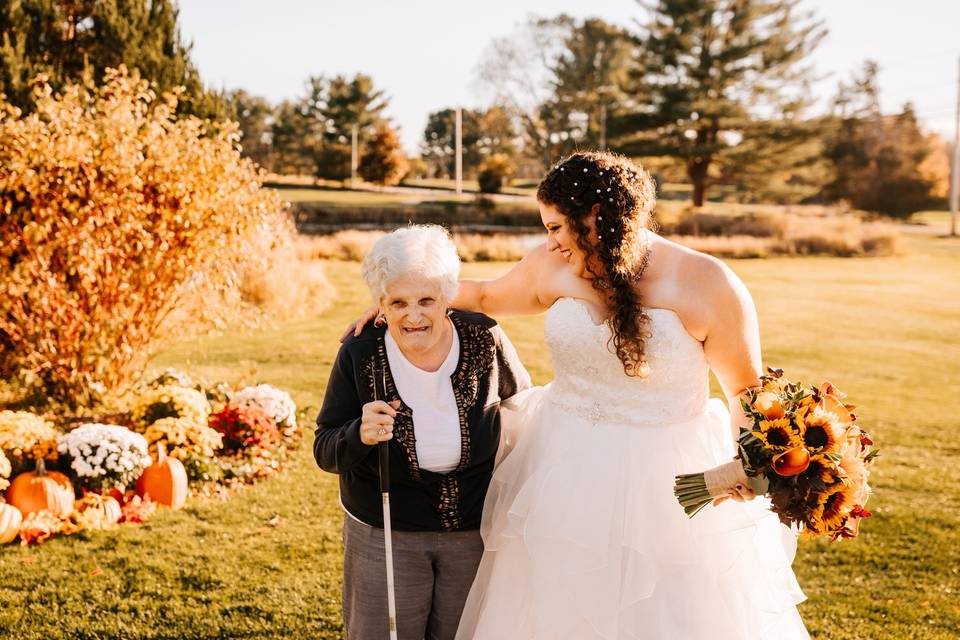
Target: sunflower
{"points": [[833, 507], [822, 468], [822, 433], [778, 434]]}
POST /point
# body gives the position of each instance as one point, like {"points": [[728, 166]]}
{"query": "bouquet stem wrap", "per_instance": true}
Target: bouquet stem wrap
{"points": [[697, 490]]}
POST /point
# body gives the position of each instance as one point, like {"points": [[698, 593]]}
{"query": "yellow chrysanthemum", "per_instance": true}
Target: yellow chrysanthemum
{"points": [[26, 436], [832, 508], [822, 432], [183, 438], [778, 434], [170, 402], [5, 469]]}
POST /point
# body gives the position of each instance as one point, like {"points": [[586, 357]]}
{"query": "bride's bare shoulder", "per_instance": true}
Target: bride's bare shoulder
{"points": [[702, 289], [691, 271]]}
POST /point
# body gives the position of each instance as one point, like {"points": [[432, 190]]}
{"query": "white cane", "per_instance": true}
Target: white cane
{"points": [[383, 450]]}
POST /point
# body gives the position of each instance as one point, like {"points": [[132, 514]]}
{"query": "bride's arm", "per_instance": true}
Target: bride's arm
{"points": [[515, 293], [732, 344], [518, 292]]}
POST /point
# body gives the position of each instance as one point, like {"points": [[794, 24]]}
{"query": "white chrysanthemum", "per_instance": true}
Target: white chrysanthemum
{"points": [[105, 455], [276, 403]]}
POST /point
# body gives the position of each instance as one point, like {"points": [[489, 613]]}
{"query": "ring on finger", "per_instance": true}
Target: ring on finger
{"points": [[381, 431]]}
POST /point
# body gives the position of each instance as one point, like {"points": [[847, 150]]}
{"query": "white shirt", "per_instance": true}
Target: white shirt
{"points": [[436, 420]]}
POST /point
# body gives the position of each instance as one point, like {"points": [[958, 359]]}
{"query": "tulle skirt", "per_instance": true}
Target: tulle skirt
{"points": [[584, 538]]}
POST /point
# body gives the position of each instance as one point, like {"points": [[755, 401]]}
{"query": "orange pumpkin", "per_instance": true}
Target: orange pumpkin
{"points": [[165, 481], [792, 462], [10, 519], [97, 511], [41, 490]]}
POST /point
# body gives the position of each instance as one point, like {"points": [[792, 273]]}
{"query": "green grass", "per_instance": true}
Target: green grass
{"points": [[886, 330], [336, 197], [518, 187]]}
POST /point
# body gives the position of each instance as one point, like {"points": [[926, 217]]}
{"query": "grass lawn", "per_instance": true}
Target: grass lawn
{"points": [[886, 330], [335, 197]]}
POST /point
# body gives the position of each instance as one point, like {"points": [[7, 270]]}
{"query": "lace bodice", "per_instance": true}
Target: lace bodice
{"points": [[589, 380]]}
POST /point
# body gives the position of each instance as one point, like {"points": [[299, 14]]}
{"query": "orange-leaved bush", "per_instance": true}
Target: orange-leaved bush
{"points": [[114, 214]]}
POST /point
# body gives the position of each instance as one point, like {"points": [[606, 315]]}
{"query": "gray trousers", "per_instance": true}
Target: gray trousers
{"points": [[432, 573]]}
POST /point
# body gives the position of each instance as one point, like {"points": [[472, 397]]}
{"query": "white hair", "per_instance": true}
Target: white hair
{"points": [[425, 250]]}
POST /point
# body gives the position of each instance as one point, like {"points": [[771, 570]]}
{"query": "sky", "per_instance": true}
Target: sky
{"points": [[424, 53]]}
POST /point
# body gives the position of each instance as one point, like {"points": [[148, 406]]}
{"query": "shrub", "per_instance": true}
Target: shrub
{"points": [[243, 427], [183, 439], [495, 171], [26, 437], [383, 162], [286, 287], [169, 402], [116, 214], [490, 248]]}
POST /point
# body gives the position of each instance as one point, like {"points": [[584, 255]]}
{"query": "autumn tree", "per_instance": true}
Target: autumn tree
{"points": [[383, 161], [879, 162], [118, 213]]}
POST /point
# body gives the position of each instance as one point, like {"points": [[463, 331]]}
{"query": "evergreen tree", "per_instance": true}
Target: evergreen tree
{"points": [[294, 141], [332, 107], [76, 40], [255, 117], [710, 75], [587, 76], [484, 134], [438, 148]]}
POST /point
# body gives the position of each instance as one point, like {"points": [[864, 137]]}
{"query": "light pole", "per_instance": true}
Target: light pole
{"points": [[459, 150], [354, 152]]}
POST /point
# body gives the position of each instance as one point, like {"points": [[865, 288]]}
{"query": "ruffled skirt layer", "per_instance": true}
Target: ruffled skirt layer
{"points": [[584, 538]]}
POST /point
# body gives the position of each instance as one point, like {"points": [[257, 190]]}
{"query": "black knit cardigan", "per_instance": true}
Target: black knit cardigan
{"points": [[488, 371]]}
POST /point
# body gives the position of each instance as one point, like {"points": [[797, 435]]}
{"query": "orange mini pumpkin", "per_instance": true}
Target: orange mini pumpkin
{"points": [[165, 481], [41, 490], [10, 519]]}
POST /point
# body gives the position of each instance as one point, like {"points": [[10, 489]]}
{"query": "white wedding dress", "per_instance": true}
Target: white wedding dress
{"points": [[583, 536]]}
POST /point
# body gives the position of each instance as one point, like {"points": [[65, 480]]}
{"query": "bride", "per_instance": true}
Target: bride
{"points": [[583, 536]]}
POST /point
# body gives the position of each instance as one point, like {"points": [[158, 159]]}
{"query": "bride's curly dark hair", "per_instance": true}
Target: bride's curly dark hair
{"points": [[623, 195]]}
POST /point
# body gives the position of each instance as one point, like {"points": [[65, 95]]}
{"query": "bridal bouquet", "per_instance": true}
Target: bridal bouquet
{"points": [[803, 450]]}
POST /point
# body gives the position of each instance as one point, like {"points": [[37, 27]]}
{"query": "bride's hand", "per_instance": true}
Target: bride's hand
{"points": [[739, 492], [729, 482], [356, 327]]}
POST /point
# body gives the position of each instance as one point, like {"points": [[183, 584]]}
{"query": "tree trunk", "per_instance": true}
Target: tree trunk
{"points": [[697, 172]]}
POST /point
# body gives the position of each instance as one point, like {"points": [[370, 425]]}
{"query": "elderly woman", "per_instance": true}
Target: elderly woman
{"points": [[430, 383]]}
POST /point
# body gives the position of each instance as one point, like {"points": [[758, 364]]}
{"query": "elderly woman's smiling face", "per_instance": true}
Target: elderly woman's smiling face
{"points": [[416, 313]]}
